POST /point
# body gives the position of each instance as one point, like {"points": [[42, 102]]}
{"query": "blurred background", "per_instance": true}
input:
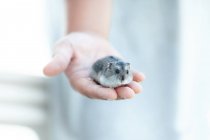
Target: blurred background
{"points": [[28, 99]]}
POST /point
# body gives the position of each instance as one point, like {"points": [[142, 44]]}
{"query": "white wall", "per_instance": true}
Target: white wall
{"points": [[24, 50], [193, 114]]}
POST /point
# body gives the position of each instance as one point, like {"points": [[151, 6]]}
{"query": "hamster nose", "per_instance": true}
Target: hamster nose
{"points": [[122, 78]]}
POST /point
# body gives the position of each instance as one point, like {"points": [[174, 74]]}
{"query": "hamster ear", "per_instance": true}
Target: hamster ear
{"points": [[109, 65], [127, 65]]}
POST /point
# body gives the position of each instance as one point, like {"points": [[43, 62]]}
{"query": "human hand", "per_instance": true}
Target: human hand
{"points": [[75, 55]]}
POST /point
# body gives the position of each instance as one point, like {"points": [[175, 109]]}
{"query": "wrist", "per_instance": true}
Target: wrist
{"points": [[104, 35]]}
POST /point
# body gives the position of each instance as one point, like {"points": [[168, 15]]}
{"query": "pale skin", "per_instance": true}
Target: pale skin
{"points": [[74, 54]]}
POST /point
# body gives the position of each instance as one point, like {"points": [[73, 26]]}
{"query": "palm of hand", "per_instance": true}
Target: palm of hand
{"points": [[75, 55]]}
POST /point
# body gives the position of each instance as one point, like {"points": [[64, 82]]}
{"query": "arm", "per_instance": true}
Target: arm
{"points": [[89, 16], [88, 27]]}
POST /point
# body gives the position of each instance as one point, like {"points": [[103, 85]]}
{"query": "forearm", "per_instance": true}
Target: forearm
{"points": [[89, 16]]}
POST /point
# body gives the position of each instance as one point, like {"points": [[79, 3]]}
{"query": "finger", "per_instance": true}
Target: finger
{"points": [[138, 76], [62, 55], [125, 92], [90, 89], [136, 87]]}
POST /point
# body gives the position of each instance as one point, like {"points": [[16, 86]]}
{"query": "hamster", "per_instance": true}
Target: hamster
{"points": [[111, 72]]}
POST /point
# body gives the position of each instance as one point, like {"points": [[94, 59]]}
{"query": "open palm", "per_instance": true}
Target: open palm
{"points": [[75, 55]]}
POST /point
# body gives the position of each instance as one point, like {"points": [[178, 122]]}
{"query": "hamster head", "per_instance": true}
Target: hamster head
{"points": [[119, 71]]}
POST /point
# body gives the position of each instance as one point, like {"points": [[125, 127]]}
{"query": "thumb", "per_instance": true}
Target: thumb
{"points": [[63, 53]]}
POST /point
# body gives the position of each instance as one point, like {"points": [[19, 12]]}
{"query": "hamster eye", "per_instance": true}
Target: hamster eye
{"points": [[127, 71], [117, 71]]}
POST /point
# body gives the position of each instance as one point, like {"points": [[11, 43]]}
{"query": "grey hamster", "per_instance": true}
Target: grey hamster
{"points": [[111, 72]]}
